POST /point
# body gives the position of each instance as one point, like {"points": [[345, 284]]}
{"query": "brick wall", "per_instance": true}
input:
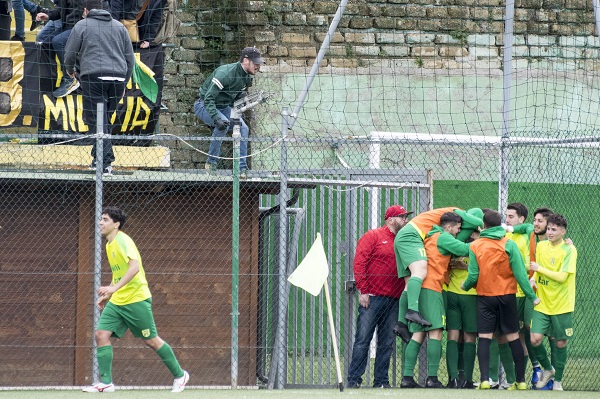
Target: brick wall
{"points": [[450, 34]]}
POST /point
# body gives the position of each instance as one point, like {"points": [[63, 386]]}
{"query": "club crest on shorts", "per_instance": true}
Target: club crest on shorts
{"points": [[146, 333], [569, 332]]}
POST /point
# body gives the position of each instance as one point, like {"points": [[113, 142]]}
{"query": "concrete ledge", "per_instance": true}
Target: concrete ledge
{"points": [[53, 156]]}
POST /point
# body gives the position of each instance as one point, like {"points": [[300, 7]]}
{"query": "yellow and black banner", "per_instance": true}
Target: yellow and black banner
{"points": [[29, 73]]}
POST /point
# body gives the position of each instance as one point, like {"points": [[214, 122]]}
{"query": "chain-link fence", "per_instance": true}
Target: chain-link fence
{"points": [[415, 104]]}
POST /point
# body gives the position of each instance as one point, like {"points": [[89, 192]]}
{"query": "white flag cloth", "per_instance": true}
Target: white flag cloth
{"points": [[312, 272]]}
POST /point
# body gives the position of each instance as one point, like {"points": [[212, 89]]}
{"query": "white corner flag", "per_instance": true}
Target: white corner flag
{"points": [[311, 274]]}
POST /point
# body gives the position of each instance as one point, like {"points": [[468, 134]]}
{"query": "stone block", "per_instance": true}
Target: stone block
{"points": [[264, 36], [316, 20], [189, 69], [393, 11], [483, 52], [389, 38], [395, 51], [430, 25], [276, 50], [255, 18], [183, 55], [481, 40], [337, 51], [437, 12], [384, 23], [448, 51], [294, 18], [416, 11], [325, 7], [406, 24], [193, 43], [302, 52], [295, 38], [360, 37], [361, 23], [418, 37], [520, 51], [337, 37], [433, 64], [367, 50], [537, 40], [423, 51], [343, 62]]}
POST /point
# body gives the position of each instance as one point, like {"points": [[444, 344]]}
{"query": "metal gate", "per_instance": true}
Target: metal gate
{"points": [[341, 210]]}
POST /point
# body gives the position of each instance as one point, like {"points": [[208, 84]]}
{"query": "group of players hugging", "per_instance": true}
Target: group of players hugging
{"points": [[508, 284]]}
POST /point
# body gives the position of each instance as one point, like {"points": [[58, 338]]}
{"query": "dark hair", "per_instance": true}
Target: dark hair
{"points": [[492, 219], [93, 4], [519, 208], [544, 211], [557, 220], [450, 218], [116, 214]]}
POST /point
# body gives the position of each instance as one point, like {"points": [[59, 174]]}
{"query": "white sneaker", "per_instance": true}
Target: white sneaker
{"points": [[100, 388], [546, 376], [557, 386], [179, 383]]}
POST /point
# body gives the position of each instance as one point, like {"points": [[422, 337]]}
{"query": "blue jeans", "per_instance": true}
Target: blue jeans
{"points": [[381, 314], [19, 7], [51, 29], [214, 150], [59, 42]]}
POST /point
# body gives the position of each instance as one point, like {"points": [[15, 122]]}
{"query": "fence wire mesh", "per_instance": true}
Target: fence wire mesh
{"points": [[469, 104]]}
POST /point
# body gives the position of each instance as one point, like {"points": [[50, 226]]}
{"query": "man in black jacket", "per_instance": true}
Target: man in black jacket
{"points": [[102, 49], [69, 12]]}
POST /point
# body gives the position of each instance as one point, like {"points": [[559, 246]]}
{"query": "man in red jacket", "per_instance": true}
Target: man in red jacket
{"points": [[379, 288]]}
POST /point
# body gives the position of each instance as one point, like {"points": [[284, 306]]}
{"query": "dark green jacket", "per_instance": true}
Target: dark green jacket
{"points": [[223, 86]]}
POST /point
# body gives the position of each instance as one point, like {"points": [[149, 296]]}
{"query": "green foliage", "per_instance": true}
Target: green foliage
{"points": [[460, 36]]}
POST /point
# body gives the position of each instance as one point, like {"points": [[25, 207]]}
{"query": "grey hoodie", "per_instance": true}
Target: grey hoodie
{"points": [[101, 47]]}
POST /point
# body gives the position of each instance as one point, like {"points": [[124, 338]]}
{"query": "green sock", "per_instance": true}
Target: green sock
{"points": [[168, 357], [561, 362], [532, 358], [452, 359], [542, 356], [494, 360], [410, 358], [470, 353], [434, 354], [105, 359], [413, 290], [461, 359], [403, 361], [553, 348], [403, 307], [507, 362]]}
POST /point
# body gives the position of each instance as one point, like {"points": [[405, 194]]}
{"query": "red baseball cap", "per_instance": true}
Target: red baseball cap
{"points": [[394, 211]]}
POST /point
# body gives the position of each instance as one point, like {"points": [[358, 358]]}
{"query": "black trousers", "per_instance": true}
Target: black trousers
{"points": [[107, 92]]}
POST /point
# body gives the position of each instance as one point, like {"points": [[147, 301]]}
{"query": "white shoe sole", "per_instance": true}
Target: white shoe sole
{"points": [[181, 387]]}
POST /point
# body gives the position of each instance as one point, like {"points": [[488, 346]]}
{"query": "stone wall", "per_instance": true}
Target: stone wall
{"points": [[461, 35]]}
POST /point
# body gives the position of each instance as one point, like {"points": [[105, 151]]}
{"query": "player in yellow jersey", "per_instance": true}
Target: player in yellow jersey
{"points": [[126, 304], [536, 233], [555, 270], [516, 214]]}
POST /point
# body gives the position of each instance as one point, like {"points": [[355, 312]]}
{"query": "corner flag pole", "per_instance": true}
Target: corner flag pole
{"points": [[333, 338]]}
